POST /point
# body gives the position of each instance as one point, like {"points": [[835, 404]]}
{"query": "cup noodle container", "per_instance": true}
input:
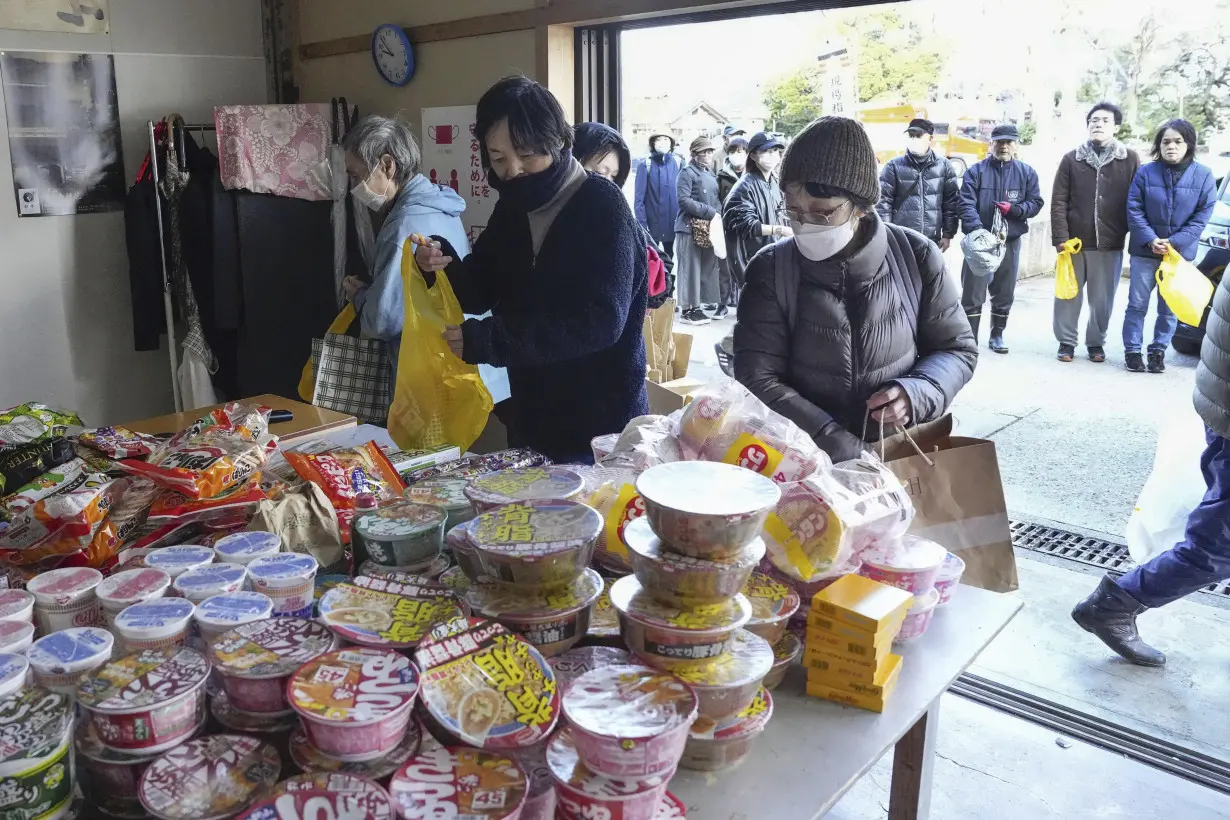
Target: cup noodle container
{"points": [[310, 759], [14, 674], [256, 660], [346, 794], [212, 778], [554, 621], [158, 624], [148, 701], [913, 564], [535, 544], [36, 773], [580, 792], [289, 579], [785, 652], [65, 598], [457, 781], [402, 534], [175, 561], [245, 547], [58, 662], [427, 571], [355, 703], [213, 579], [132, 586], [922, 610], [540, 795], [275, 730], [491, 490], [16, 636], [111, 779], [664, 634], [361, 613], [577, 661], [671, 808], [615, 735], [16, 605], [727, 684], [949, 576], [721, 745], [221, 613], [683, 580]]}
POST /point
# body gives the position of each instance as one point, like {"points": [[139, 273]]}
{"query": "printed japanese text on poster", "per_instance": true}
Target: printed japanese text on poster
{"points": [[451, 157]]}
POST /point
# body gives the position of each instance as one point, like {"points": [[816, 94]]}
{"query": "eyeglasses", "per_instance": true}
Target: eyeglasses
{"points": [[1101, 120], [838, 216]]}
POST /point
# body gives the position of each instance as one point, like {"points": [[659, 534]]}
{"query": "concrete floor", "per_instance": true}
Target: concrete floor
{"points": [[1075, 444]]}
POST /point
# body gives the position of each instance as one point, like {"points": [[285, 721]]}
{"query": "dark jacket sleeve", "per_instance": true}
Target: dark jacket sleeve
{"points": [[741, 214], [971, 220], [1060, 192], [1031, 205], [1188, 236], [687, 203], [947, 351], [642, 185], [952, 201], [762, 354], [472, 278], [888, 191], [592, 317]]}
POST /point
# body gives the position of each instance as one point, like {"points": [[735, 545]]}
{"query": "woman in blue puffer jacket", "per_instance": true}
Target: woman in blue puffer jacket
{"points": [[1170, 202]]}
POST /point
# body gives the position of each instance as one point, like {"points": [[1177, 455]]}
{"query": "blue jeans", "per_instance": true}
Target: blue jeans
{"points": [[1142, 285], [1203, 556]]}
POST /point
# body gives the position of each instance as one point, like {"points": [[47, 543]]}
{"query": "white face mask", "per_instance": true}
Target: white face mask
{"points": [[918, 146], [662, 146], [819, 242], [769, 161], [365, 196], [737, 159]]}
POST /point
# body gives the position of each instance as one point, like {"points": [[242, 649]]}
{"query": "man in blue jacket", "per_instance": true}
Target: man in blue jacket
{"points": [[1004, 183], [656, 202]]}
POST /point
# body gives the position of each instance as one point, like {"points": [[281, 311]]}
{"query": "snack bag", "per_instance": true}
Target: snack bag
{"points": [[31, 422], [725, 422], [22, 463], [46, 484], [173, 506], [804, 537], [479, 465], [646, 441], [218, 452], [117, 442], [62, 523], [345, 473], [868, 498], [305, 521]]}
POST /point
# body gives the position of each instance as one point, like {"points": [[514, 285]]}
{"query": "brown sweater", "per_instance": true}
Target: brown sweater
{"points": [[1090, 203]]}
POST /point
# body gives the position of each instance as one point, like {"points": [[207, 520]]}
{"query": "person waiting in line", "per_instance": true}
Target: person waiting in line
{"points": [[383, 163], [753, 214], [696, 266], [1170, 203], [730, 132], [919, 189], [602, 150], [656, 200], [1089, 203], [728, 174], [1004, 183], [851, 326], [1203, 556], [562, 267]]}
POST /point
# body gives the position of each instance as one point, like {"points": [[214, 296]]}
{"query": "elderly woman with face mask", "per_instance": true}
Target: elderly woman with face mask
{"points": [[851, 326], [562, 267], [382, 160]]}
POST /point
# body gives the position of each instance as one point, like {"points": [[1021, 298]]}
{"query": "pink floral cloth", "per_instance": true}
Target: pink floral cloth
{"points": [[270, 149]]}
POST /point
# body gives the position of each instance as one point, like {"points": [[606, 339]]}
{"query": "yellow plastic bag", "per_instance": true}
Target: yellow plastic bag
{"points": [[307, 379], [1065, 271], [438, 398], [1186, 290]]}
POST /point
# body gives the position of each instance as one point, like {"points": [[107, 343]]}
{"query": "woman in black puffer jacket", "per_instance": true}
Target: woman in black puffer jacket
{"points": [[751, 213], [852, 323]]}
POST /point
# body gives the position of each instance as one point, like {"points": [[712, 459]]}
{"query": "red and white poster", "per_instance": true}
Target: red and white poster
{"points": [[451, 157]]}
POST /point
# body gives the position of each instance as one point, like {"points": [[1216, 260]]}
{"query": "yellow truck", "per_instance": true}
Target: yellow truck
{"points": [[963, 140]]}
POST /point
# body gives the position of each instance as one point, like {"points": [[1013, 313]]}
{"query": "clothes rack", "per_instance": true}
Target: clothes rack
{"points": [[178, 128]]}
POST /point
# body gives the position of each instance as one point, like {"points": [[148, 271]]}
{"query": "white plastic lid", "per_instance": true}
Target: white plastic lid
{"points": [[131, 586], [63, 586], [708, 488], [15, 604], [15, 634], [154, 619], [177, 560], [212, 579], [233, 608], [282, 569], [71, 650], [13, 670], [245, 547]]}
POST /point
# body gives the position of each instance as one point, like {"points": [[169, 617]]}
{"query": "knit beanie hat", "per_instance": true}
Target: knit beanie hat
{"points": [[833, 151]]}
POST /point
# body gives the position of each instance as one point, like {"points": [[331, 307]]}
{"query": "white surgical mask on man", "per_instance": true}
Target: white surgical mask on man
{"points": [[662, 146], [820, 242], [919, 146], [737, 159], [769, 160]]}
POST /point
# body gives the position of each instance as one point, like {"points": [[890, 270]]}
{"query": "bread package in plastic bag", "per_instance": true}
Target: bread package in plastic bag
{"points": [[612, 492], [725, 422], [645, 442], [805, 538], [868, 498]]}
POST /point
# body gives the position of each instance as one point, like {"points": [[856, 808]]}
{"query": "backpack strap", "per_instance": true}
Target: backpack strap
{"points": [[786, 286]]}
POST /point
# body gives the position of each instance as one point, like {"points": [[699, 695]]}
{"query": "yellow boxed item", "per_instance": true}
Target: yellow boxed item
{"points": [[852, 633], [843, 647], [861, 602], [884, 681], [864, 668], [868, 702]]}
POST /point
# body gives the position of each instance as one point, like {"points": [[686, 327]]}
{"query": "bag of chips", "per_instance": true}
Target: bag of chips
{"points": [[173, 506], [63, 522], [347, 472], [218, 452], [31, 422], [22, 463], [117, 442], [514, 459]]}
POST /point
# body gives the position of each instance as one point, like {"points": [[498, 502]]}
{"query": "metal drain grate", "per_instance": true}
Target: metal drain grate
{"points": [[1085, 549]]}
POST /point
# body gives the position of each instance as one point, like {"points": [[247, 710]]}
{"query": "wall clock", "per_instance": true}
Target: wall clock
{"points": [[393, 54]]}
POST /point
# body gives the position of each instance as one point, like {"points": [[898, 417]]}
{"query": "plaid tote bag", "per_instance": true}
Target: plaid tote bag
{"points": [[353, 376]]}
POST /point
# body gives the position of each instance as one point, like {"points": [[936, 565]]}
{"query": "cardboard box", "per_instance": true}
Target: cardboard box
{"points": [[870, 703], [667, 397], [845, 668], [885, 679], [861, 602], [868, 665], [853, 634], [667, 353], [844, 648]]}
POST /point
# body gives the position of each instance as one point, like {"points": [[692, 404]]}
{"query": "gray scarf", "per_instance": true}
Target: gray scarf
{"points": [[1110, 151]]}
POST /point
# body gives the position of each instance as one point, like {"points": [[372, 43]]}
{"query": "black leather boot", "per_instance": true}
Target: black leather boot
{"points": [[975, 319], [996, 342], [1110, 614]]}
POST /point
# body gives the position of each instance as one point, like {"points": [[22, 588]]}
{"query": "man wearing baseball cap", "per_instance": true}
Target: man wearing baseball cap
{"points": [[919, 189], [1003, 183]]}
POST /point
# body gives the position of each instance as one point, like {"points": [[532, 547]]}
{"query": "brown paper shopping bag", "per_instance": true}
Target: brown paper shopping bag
{"points": [[958, 500]]}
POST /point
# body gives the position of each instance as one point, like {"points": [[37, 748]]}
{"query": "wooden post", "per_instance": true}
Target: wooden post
{"points": [[913, 759]]}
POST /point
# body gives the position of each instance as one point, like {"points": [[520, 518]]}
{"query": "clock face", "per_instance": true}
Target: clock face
{"points": [[392, 53]]}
